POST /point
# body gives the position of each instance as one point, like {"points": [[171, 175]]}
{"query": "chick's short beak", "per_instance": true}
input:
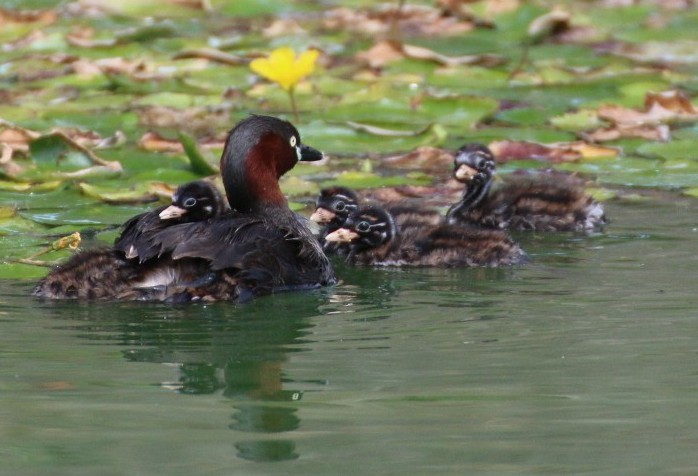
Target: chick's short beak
{"points": [[308, 154], [465, 172], [343, 235], [172, 212], [322, 216]]}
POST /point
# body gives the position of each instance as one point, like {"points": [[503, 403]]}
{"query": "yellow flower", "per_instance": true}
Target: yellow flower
{"points": [[283, 67]]}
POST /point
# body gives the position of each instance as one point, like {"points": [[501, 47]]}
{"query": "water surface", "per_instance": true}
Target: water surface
{"points": [[583, 362]]}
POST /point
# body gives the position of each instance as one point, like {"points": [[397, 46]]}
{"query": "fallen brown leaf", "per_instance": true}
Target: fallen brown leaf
{"points": [[380, 54], [154, 142], [425, 158], [24, 41], [410, 20], [204, 5], [387, 51], [14, 141], [5, 154], [655, 52], [198, 121], [212, 54], [660, 132], [672, 100], [506, 151], [379, 131], [550, 24], [283, 27], [667, 106], [45, 17], [497, 7]]}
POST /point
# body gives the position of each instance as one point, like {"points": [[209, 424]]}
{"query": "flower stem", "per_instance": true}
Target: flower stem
{"points": [[292, 96]]}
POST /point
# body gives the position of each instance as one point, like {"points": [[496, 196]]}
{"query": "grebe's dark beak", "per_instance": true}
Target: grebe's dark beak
{"points": [[308, 154]]}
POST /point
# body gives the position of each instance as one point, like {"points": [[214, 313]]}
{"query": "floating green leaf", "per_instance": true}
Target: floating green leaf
{"points": [[581, 120], [355, 179], [140, 195]]}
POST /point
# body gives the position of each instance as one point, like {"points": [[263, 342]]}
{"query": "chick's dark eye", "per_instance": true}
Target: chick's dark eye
{"points": [[190, 202], [363, 226], [340, 206]]}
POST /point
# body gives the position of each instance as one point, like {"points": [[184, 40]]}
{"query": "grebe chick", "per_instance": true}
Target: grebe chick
{"points": [[542, 202], [374, 239], [192, 201]]}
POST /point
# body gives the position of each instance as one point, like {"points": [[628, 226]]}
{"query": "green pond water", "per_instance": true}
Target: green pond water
{"points": [[582, 362]]}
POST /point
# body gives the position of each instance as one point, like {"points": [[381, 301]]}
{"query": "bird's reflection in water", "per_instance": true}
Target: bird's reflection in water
{"points": [[237, 350]]}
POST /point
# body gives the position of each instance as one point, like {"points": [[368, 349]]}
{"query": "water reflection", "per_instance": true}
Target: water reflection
{"points": [[238, 351]]}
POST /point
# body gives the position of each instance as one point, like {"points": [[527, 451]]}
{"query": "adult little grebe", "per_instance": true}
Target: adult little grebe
{"points": [[258, 247], [375, 239], [193, 201], [543, 202]]}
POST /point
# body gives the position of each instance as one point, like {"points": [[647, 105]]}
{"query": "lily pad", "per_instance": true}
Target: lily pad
{"points": [[87, 215], [584, 119], [295, 186], [691, 192], [356, 179], [141, 194], [678, 149]]}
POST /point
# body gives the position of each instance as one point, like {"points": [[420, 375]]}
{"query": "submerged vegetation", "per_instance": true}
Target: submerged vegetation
{"points": [[108, 106]]}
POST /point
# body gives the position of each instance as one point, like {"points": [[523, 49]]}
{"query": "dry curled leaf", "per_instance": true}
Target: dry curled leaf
{"points": [[198, 121], [5, 153], [117, 197], [16, 137], [423, 158], [154, 142], [410, 20], [204, 5], [506, 151], [441, 195], [212, 54], [14, 141], [667, 106], [497, 7], [655, 52], [660, 132], [44, 17], [24, 42], [111, 168], [379, 131], [672, 100], [387, 51], [549, 24], [283, 27]]}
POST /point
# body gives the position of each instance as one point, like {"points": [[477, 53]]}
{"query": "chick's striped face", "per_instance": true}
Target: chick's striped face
{"points": [[333, 205], [372, 227], [343, 205], [365, 229]]}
